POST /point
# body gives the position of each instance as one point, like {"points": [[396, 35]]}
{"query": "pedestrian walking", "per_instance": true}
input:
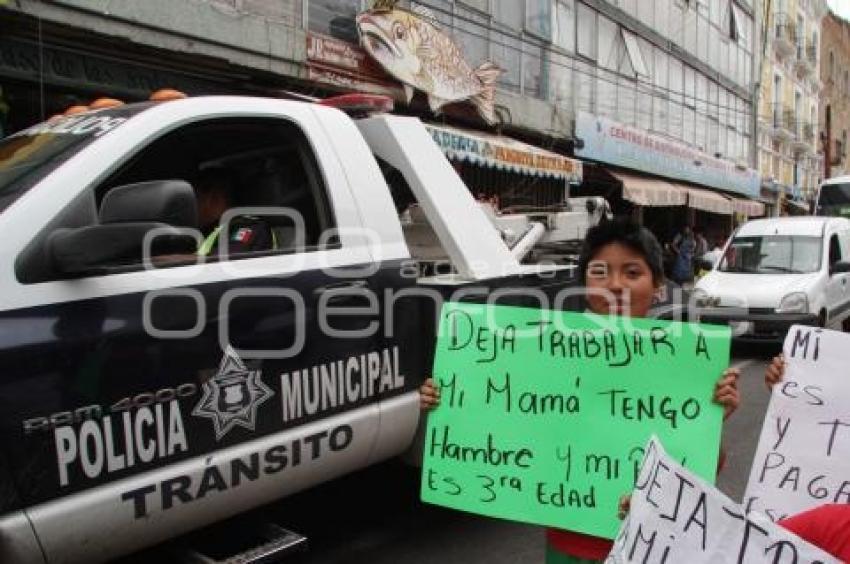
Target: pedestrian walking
{"points": [[684, 247]]}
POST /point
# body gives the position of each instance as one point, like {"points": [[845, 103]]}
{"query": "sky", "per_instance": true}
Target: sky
{"points": [[840, 7]]}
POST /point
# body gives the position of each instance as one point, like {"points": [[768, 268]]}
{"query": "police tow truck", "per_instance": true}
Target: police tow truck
{"points": [[150, 388]]}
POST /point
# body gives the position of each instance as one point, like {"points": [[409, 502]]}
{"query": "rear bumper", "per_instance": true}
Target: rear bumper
{"points": [[756, 327]]}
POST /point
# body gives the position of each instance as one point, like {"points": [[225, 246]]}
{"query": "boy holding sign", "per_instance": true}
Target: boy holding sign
{"points": [[621, 268]]}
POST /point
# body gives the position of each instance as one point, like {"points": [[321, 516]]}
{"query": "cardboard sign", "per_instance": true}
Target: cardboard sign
{"points": [[803, 456], [677, 517], [544, 414]]}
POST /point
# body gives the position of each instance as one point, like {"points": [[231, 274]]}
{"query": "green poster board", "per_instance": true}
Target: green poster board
{"points": [[544, 414]]}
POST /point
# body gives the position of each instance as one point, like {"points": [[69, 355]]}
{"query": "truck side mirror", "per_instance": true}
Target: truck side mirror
{"points": [[704, 264], [840, 267], [127, 214]]}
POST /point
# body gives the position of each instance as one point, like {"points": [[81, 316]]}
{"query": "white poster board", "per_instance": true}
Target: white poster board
{"points": [[676, 517], [803, 456]]}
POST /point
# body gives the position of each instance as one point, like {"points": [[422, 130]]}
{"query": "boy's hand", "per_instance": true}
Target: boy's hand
{"points": [[726, 392], [624, 506], [429, 395], [775, 371]]}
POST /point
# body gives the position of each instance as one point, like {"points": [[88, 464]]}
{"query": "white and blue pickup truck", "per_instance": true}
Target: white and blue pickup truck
{"points": [[148, 389]]}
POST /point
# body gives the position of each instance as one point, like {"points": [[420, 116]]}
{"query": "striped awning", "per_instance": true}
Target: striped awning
{"points": [[652, 192], [709, 201], [503, 153], [749, 208]]}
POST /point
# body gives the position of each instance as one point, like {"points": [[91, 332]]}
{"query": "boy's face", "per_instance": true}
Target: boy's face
{"points": [[619, 282]]}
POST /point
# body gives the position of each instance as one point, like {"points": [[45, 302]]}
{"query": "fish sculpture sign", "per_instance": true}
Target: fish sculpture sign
{"points": [[410, 46]]}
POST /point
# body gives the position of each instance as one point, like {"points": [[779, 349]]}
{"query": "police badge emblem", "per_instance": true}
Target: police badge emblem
{"points": [[232, 396]]}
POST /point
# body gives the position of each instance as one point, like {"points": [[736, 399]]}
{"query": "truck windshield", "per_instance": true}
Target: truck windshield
{"points": [[772, 254], [30, 155], [834, 200]]}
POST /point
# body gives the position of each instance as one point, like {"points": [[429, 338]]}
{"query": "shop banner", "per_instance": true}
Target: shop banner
{"points": [[503, 153], [677, 517], [608, 141], [803, 456], [544, 414]]}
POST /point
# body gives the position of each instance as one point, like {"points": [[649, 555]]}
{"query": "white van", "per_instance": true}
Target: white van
{"points": [[777, 272]]}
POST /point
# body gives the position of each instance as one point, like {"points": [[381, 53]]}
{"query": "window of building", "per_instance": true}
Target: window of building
{"points": [[334, 18], [508, 13], [814, 46], [532, 70], [538, 18], [733, 30], [646, 12], [565, 25], [471, 34], [676, 105], [662, 15], [506, 50], [660, 100], [717, 11], [635, 53], [607, 39], [777, 99], [586, 31], [831, 65]]}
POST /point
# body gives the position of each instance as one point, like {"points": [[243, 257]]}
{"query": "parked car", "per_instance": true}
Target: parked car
{"points": [[777, 272]]}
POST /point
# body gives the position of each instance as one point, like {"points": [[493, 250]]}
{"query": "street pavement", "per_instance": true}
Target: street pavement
{"points": [[374, 516]]}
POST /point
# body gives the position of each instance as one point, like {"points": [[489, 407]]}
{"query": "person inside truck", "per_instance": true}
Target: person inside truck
{"points": [[246, 234], [621, 267]]}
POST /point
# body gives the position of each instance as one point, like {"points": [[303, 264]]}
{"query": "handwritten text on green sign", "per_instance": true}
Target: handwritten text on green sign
{"points": [[544, 414]]}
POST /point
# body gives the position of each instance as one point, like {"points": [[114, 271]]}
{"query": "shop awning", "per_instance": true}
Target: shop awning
{"points": [[707, 200], [749, 208], [800, 207], [503, 153], [645, 191]]}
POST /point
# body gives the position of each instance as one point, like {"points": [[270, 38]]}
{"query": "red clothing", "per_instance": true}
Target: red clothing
{"points": [[578, 544], [827, 527]]}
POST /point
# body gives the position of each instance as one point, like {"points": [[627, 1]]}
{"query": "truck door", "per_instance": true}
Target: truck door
{"points": [[836, 287], [172, 391]]}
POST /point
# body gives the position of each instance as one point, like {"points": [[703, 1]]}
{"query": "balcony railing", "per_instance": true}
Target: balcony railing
{"points": [[785, 35], [812, 54], [806, 62], [782, 124], [804, 137]]}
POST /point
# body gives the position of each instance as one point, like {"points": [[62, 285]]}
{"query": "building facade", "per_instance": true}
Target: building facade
{"points": [[789, 100], [835, 96], [663, 88]]}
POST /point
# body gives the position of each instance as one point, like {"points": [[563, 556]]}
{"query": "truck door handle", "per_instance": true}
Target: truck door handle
{"points": [[340, 287]]}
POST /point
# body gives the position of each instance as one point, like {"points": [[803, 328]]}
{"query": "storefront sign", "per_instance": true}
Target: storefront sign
{"points": [[803, 456], [412, 47], [21, 59], [504, 153], [347, 66], [544, 414], [607, 141]]}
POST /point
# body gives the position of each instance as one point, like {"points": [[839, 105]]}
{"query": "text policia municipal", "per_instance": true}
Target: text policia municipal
{"points": [[335, 384]]}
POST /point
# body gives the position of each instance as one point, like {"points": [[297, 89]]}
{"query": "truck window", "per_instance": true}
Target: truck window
{"points": [[834, 250], [239, 163], [834, 199], [30, 155]]}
